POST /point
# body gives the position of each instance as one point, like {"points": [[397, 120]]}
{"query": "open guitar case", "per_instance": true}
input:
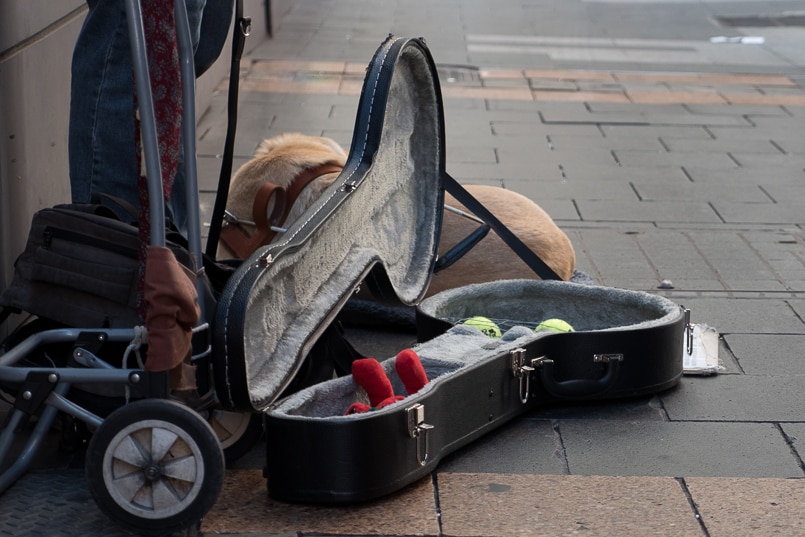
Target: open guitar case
{"points": [[378, 225]]}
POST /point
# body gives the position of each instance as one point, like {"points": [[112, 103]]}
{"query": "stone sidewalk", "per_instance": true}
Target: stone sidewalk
{"points": [[675, 166]]}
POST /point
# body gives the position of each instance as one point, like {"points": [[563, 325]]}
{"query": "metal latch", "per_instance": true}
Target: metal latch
{"points": [[522, 371], [688, 332], [418, 429]]}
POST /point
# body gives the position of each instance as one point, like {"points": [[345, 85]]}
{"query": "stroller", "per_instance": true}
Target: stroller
{"points": [[154, 465]]}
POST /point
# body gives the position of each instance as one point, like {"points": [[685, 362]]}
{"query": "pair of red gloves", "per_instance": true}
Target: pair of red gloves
{"points": [[371, 376]]}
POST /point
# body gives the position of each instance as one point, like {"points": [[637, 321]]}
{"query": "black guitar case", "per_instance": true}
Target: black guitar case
{"points": [[625, 344], [384, 213]]}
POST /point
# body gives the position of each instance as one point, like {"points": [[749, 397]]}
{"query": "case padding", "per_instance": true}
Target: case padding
{"points": [[384, 210]]}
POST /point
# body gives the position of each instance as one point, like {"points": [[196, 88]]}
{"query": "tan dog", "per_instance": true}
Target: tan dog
{"points": [[281, 159]]}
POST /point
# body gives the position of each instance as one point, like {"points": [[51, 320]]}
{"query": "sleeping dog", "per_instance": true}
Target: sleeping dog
{"points": [[303, 166]]}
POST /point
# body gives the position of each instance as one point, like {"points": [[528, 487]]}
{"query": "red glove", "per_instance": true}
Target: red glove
{"points": [[410, 371]]}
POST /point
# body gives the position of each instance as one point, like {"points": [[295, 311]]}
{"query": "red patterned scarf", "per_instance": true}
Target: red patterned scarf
{"points": [[166, 87]]}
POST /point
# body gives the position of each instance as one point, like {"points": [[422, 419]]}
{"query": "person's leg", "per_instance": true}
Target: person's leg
{"points": [[102, 156], [177, 208], [101, 145]]}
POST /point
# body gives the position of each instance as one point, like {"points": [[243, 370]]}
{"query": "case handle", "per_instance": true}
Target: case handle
{"points": [[581, 388]]}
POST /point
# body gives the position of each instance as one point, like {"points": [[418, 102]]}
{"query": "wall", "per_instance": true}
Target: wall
{"points": [[36, 42]]}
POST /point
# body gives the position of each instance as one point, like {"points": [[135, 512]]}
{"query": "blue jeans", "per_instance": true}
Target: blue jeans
{"points": [[101, 143]]}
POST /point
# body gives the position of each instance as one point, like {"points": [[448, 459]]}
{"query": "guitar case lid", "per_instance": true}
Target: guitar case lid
{"points": [[381, 218]]}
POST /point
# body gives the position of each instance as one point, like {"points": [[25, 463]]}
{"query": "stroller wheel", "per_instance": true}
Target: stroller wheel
{"points": [[155, 466], [237, 431]]}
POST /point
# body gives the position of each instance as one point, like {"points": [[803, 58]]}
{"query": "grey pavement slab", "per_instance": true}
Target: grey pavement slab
{"points": [[698, 132], [748, 316], [676, 449], [705, 160], [572, 143], [551, 184], [738, 398], [784, 213], [696, 259], [753, 111], [798, 305], [647, 211], [796, 435], [661, 117], [578, 169], [769, 354], [644, 408], [650, 190], [520, 447], [722, 146], [761, 161], [771, 175]]}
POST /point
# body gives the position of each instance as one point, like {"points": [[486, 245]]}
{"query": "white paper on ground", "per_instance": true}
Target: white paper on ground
{"points": [[704, 358]]}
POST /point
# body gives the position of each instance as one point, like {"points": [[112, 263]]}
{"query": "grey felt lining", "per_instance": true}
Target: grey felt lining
{"points": [[521, 304], [391, 218]]}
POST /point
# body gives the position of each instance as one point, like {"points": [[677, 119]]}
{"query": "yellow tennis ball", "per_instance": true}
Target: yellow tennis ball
{"points": [[554, 325], [487, 326]]}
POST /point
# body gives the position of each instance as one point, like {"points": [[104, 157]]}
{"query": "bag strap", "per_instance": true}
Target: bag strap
{"points": [[242, 30], [512, 241]]}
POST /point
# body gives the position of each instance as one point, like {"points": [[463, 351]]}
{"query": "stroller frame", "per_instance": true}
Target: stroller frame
{"points": [[196, 481]]}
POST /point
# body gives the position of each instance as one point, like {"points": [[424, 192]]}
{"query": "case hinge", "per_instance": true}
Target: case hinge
{"points": [[418, 429]]}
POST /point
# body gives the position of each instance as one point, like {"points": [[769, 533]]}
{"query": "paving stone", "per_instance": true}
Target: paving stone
{"points": [[660, 117], [748, 316], [576, 170], [520, 447], [774, 175], [244, 506], [788, 144], [506, 505], [551, 184], [764, 161], [721, 146], [644, 408], [646, 211], [780, 128], [650, 190], [541, 154], [676, 449], [574, 143], [696, 132], [783, 193], [513, 168], [745, 398], [743, 110], [767, 213], [470, 154], [708, 161], [769, 354], [796, 435], [731, 507]]}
